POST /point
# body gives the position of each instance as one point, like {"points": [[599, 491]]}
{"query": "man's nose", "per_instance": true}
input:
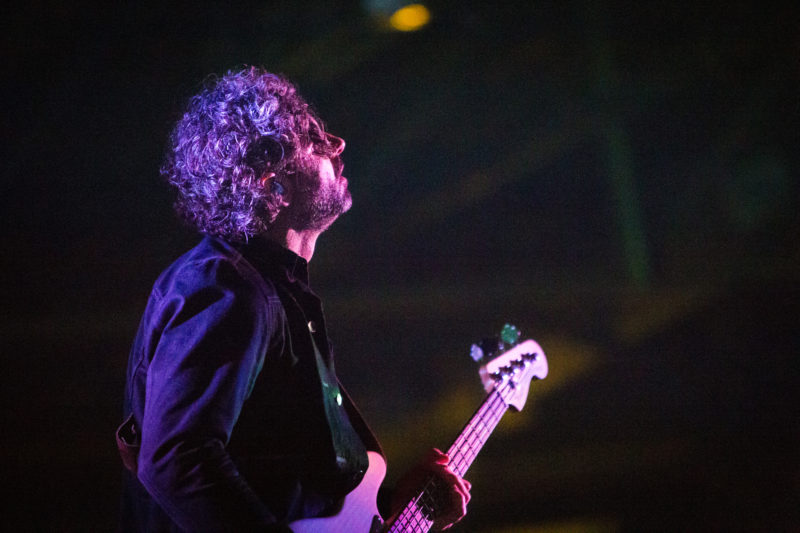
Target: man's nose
{"points": [[337, 143]]}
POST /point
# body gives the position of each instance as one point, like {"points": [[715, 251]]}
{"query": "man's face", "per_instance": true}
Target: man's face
{"points": [[321, 194]]}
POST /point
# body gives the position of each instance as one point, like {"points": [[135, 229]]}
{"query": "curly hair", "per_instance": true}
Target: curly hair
{"points": [[240, 128]]}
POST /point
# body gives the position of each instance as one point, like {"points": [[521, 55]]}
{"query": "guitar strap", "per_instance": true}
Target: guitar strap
{"points": [[360, 425]]}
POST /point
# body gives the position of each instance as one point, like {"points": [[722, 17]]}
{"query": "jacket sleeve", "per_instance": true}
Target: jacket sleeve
{"points": [[215, 330]]}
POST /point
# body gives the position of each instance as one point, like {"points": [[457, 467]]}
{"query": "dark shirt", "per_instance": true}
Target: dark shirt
{"points": [[231, 384]]}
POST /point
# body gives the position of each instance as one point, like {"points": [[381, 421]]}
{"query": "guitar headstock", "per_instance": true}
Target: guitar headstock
{"points": [[511, 372]]}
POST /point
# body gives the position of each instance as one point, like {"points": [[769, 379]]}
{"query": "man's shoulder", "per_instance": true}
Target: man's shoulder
{"points": [[209, 249], [214, 262]]}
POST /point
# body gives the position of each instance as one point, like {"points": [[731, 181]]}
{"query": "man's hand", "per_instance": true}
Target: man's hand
{"points": [[452, 494]]}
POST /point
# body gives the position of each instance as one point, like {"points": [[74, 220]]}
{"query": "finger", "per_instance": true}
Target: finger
{"points": [[467, 487], [449, 477], [456, 495], [456, 482], [453, 509], [437, 456], [463, 491]]}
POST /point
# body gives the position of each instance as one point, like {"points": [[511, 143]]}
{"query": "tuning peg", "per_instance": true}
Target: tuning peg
{"points": [[476, 352], [492, 346], [504, 372], [486, 349], [510, 334]]}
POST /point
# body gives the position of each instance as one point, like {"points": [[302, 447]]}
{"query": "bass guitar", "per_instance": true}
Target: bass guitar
{"points": [[506, 379]]}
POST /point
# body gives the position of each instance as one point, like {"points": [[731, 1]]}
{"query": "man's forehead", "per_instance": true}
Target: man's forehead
{"points": [[316, 129]]}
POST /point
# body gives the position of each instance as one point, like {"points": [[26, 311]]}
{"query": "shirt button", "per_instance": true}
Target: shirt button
{"points": [[312, 327]]}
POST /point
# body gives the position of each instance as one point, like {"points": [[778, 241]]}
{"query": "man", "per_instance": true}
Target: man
{"points": [[236, 420]]}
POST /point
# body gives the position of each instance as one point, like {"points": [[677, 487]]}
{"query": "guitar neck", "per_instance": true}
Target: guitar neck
{"points": [[475, 434], [463, 452]]}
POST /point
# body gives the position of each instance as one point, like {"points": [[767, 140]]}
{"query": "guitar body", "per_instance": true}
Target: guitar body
{"points": [[359, 512]]}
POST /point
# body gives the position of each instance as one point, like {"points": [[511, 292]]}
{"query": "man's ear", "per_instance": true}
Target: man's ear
{"points": [[276, 188]]}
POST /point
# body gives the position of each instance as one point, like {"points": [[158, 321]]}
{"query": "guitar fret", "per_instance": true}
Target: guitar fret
{"points": [[413, 518], [476, 432]]}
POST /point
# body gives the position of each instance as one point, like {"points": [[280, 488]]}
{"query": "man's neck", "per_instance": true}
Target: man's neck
{"points": [[301, 242]]}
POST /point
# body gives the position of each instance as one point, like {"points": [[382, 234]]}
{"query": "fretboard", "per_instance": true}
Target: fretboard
{"points": [[414, 517]]}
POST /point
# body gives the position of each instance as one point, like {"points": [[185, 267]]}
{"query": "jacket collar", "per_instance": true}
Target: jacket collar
{"points": [[269, 256]]}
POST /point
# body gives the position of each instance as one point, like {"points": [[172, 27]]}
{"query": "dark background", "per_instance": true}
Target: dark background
{"points": [[618, 179]]}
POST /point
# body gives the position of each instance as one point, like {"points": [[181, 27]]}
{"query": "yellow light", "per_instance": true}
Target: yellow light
{"points": [[410, 18]]}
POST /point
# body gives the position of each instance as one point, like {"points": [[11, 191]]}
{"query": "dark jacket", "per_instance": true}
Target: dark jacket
{"points": [[237, 414]]}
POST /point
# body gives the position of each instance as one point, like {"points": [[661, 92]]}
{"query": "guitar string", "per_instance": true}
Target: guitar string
{"points": [[492, 406], [495, 406], [469, 448], [496, 411], [411, 517], [479, 431], [474, 427]]}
